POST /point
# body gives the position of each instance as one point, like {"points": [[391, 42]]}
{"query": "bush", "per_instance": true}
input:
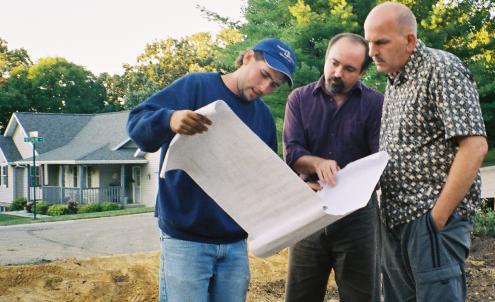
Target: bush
{"points": [[29, 207], [89, 208], [57, 210], [72, 207], [18, 204], [110, 206], [42, 207], [484, 223]]}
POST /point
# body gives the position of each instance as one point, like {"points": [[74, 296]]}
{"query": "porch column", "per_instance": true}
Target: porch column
{"points": [[122, 185], [43, 169], [28, 183], [61, 182], [80, 182], [14, 183]]}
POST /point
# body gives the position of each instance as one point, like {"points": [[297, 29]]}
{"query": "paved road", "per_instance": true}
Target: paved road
{"points": [[78, 238]]}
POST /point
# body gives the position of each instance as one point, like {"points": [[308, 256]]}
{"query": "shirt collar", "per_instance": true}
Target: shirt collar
{"points": [[411, 66]]}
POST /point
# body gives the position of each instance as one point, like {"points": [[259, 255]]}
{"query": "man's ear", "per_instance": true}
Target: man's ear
{"points": [[248, 56], [411, 42]]}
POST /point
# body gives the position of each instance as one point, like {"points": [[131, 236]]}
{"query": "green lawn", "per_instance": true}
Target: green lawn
{"points": [[6, 219]]}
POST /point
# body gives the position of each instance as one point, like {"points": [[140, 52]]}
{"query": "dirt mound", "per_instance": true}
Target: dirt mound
{"points": [[135, 278]]}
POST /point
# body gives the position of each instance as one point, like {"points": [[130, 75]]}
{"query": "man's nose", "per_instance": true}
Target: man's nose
{"points": [[373, 51], [266, 86], [338, 72]]}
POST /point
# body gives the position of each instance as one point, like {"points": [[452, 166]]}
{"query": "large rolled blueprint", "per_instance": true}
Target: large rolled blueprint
{"points": [[258, 190]]}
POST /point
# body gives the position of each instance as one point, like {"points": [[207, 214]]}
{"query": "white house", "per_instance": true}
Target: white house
{"points": [[83, 157]]}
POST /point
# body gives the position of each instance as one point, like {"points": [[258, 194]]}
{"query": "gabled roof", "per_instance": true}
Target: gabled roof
{"points": [[57, 129], [80, 137], [8, 149]]}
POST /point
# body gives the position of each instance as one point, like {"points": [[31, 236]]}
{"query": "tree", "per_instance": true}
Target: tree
{"points": [[115, 87], [463, 27], [166, 60], [50, 85], [11, 59]]}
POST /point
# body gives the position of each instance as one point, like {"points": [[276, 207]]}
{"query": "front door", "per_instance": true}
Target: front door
{"points": [[136, 184], [20, 184]]}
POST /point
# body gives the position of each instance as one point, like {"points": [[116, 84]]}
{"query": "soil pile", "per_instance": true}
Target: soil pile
{"points": [[135, 278]]}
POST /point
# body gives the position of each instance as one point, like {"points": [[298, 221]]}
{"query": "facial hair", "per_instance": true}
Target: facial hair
{"points": [[335, 86]]}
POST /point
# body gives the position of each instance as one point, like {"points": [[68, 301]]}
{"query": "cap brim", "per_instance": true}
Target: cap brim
{"points": [[278, 66]]}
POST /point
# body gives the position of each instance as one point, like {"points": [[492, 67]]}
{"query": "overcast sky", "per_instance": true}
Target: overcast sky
{"points": [[103, 34]]}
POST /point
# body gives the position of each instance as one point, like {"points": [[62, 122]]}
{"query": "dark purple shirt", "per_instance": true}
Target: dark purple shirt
{"points": [[315, 126]]}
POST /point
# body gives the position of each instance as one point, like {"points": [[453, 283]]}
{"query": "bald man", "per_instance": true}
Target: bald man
{"points": [[433, 129]]}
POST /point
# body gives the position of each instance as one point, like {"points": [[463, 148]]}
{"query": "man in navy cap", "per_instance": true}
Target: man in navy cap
{"points": [[203, 251]]}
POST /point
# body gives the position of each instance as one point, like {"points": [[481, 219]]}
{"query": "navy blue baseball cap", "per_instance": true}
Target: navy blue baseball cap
{"points": [[278, 56]]}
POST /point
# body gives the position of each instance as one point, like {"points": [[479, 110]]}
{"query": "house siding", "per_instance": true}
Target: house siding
{"points": [[25, 149], [7, 193], [149, 185]]}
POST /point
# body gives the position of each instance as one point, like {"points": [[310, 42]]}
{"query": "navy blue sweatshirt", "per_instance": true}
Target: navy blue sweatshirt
{"points": [[183, 209]]}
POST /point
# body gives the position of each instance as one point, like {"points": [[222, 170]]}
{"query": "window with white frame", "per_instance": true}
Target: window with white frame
{"points": [[4, 175]]}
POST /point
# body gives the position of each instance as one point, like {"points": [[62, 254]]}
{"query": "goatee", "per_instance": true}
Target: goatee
{"points": [[335, 86]]}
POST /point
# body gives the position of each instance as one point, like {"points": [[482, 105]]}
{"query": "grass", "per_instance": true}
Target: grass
{"points": [[6, 219]]}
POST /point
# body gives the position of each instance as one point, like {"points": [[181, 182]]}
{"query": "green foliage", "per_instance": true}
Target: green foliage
{"points": [[50, 85], [57, 210], [18, 204], [11, 59], [484, 223], [110, 206], [29, 206], [90, 207], [41, 207], [489, 158], [72, 207]]}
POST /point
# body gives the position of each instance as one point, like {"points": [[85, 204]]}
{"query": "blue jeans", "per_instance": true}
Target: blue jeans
{"points": [[195, 271], [421, 263]]}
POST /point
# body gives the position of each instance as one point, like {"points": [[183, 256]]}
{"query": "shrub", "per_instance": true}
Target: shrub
{"points": [[484, 223], [29, 207], [89, 208], [42, 207], [18, 204], [57, 210], [109, 206], [72, 207]]}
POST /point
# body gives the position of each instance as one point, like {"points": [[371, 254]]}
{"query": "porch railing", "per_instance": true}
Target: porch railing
{"points": [[53, 194]]}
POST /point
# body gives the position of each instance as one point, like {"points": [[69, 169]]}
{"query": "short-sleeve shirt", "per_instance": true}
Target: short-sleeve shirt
{"points": [[429, 103]]}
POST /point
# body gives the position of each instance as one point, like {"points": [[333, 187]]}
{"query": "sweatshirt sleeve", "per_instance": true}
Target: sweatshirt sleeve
{"points": [[149, 123]]}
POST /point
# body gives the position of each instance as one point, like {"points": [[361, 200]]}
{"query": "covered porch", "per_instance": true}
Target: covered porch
{"points": [[85, 183]]}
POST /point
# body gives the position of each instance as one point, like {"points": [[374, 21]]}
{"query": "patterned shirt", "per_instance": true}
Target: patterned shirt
{"points": [[429, 103]]}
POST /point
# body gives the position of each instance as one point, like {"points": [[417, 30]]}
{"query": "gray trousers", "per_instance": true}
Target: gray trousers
{"points": [[420, 263], [349, 247]]}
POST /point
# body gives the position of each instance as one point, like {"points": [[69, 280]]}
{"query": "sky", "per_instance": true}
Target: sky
{"points": [[101, 35]]}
